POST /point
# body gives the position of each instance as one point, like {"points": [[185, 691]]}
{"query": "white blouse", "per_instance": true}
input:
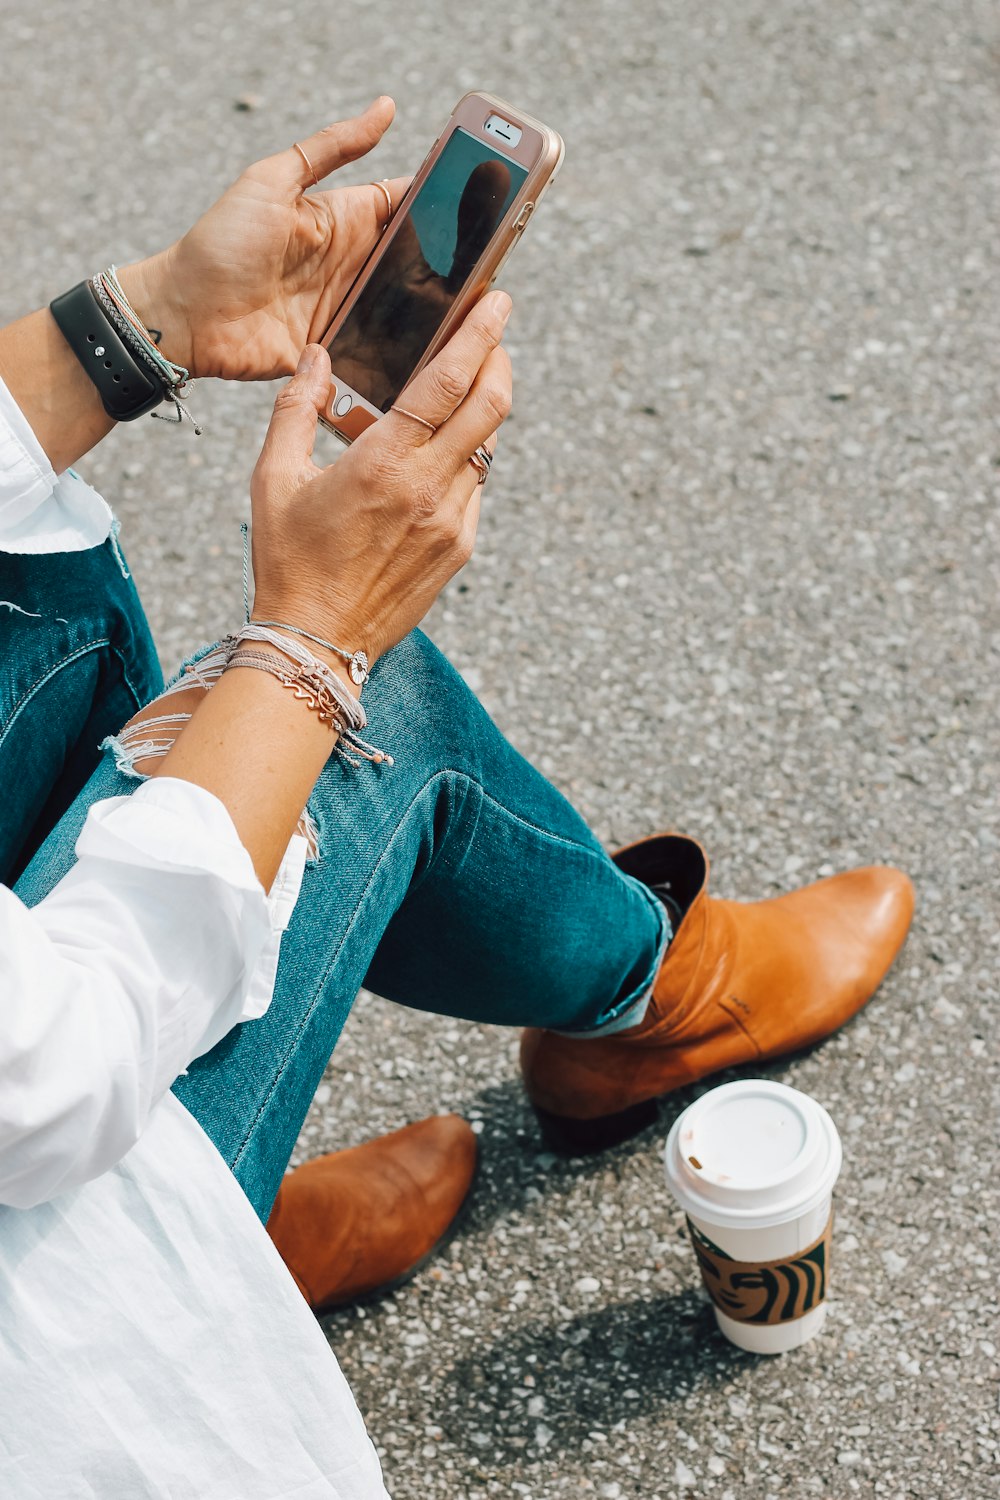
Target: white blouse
{"points": [[152, 1342]]}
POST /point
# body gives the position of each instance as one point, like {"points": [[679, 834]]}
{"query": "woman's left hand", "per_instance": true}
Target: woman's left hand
{"points": [[261, 274]]}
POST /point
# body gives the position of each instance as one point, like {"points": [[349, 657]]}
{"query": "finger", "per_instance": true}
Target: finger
{"points": [[480, 414], [466, 502], [443, 385], [291, 434], [464, 490], [469, 526], [470, 523], [336, 144]]}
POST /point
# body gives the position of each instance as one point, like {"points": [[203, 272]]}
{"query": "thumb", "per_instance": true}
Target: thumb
{"points": [[331, 147], [291, 434]]}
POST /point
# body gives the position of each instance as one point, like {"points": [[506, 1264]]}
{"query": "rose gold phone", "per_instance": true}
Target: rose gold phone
{"points": [[461, 217]]}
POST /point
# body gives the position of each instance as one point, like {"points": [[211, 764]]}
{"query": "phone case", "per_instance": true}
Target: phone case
{"points": [[542, 150]]}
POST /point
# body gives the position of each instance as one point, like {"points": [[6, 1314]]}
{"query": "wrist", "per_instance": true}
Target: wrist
{"points": [[152, 289]]}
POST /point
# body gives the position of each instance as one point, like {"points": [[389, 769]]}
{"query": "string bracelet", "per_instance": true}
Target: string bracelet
{"points": [[307, 687], [312, 680], [269, 632], [299, 679], [357, 661], [174, 378], [263, 634]]}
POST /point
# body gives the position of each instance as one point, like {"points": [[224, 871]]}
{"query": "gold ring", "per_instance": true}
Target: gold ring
{"points": [[388, 197], [422, 420], [312, 169]]}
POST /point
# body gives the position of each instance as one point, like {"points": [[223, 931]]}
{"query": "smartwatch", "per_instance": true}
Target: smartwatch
{"points": [[127, 386]]}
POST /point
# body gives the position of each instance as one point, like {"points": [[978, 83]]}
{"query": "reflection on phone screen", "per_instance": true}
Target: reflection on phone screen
{"points": [[425, 266]]}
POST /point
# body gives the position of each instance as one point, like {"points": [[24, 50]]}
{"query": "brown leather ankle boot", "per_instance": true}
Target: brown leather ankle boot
{"points": [[358, 1222], [740, 983]]}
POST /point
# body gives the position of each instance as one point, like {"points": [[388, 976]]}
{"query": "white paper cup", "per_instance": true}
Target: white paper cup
{"points": [[753, 1165]]}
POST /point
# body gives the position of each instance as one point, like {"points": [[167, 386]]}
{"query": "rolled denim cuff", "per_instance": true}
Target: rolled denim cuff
{"points": [[630, 1011]]}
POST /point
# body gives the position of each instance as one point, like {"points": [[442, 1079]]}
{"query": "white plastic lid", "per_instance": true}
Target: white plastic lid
{"points": [[752, 1154]]}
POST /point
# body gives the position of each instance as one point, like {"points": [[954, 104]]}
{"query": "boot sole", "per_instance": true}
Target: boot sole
{"points": [[568, 1137]]}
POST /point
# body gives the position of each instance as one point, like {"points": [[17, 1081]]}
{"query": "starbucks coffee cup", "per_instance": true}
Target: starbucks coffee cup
{"points": [[753, 1165]]}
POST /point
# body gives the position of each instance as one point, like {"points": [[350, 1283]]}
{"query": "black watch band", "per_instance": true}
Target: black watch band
{"points": [[127, 388]]}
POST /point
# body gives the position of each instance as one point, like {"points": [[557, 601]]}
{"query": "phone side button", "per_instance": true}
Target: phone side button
{"points": [[523, 217]]}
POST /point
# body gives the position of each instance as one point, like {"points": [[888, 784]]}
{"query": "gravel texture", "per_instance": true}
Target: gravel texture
{"points": [[749, 489]]}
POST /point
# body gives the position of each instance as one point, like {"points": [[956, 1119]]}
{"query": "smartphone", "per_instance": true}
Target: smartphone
{"points": [[462, 215]]}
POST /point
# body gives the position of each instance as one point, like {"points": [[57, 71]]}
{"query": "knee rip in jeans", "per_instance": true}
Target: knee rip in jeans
{"points": [[151, 733]]}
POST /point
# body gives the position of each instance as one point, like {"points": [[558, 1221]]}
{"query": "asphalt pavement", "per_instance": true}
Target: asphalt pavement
{"points": [[737, 574]]}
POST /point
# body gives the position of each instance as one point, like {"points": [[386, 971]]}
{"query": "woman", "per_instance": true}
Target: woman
{"points": [[153, 1343]]}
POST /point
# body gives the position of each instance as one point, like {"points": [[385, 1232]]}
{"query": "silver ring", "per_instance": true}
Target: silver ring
{"points": [[482, 462]]}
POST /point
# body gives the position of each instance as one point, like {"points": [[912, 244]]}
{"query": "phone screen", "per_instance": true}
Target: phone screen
{"points": [[426, 264]]}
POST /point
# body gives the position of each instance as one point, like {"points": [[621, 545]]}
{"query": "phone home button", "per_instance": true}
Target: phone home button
{"points": [[344, 405]]}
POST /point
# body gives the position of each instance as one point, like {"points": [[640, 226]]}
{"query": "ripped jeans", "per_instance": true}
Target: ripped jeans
{"points": [[457, 880]]}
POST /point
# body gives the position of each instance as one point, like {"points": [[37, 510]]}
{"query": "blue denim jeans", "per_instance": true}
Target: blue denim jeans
{"points": [[457, 881], [76, 661]]}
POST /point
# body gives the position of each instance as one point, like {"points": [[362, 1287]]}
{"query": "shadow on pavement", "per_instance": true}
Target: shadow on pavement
{"points": [[551, 1385]]}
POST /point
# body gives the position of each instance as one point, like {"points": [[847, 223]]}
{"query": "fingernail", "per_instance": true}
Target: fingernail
{"points": [[306, 359], [502, 305]]}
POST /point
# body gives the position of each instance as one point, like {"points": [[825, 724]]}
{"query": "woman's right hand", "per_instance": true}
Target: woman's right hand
{"points": [[358, 551]]}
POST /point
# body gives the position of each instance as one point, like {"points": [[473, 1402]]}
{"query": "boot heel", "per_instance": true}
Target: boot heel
{"points": [[568, 1137]]}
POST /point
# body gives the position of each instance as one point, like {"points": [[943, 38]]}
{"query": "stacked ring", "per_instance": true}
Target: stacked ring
{"points": [[482, 461]]}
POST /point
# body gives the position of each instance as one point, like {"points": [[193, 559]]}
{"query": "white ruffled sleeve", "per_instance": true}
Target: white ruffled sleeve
{"points": [[152, 947], [41, 511]]}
